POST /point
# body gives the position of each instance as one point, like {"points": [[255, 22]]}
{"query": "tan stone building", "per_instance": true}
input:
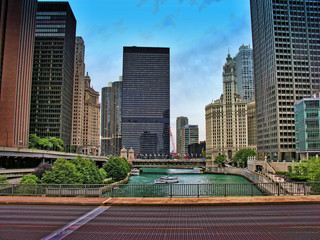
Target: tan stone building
{"points": [[91, 123], [78, 96], [226, 118]]}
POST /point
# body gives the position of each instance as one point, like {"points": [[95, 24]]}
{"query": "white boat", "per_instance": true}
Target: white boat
{"points": [[166, 179], [135, 172]]}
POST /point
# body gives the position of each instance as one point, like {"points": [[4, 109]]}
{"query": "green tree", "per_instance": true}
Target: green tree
{"points": [[310, 168], [88, 169], [103, 173], [63, 172], [117, 168], [3, 179], [240, 159], [57, 143], [30, 179], [34, 141], [220, 159]]}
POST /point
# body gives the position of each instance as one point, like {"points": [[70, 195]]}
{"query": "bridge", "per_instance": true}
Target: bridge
{"points": [[31, 158], [169, 163]]}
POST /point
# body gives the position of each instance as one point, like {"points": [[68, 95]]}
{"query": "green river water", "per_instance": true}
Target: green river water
{"points": [[191, 183]]}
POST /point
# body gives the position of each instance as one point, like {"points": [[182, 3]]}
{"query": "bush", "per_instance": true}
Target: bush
{"points": [[41, 169], [3, 179], [30, 179]]}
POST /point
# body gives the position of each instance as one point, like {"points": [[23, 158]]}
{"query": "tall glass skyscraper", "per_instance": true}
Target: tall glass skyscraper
{"points": [[146, 99], [286, 67], [53, 68], [244, 71]]}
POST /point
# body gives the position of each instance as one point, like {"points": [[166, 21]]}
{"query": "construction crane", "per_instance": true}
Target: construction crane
{"points": [[172, 142]]}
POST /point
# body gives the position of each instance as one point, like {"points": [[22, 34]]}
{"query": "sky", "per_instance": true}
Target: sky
{"points": [[199, 33]]}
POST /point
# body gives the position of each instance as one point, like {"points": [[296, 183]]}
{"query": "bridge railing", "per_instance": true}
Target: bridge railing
{"points": [[161, 190]]}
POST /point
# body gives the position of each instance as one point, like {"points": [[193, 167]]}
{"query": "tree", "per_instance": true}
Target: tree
{"points": [[220, 159], [103, 173], [41, 169], [57, 143], [240, 159], [30, 179], [63, 172], [3, 179], [117, 168], [88, 169], [34, 141], [310, 168]]}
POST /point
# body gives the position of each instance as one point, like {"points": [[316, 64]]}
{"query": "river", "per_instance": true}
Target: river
{"points": [[185, 176]]}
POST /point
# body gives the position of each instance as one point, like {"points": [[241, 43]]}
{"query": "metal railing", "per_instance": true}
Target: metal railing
{"points": [[161, 190]]}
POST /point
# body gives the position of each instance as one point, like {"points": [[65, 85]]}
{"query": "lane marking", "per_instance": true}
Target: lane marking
{"points": [[74, 225], [106, 200]]}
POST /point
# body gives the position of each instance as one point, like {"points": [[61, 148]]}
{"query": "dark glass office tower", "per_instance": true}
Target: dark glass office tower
{"points": [[146, 99], [53, 68], [286, 57]]}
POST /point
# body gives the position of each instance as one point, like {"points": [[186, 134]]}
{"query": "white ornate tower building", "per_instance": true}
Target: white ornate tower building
{"points": [[226, 118]]}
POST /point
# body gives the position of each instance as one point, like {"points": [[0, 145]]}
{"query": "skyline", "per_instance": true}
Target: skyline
{"points": [[199, 34]]}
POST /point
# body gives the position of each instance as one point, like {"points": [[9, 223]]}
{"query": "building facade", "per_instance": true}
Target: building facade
{"points": [[78, 96], [252, 125], [197, 150], [180, 123], [307, 127], [244, 71], [53, 71], [146, 97], [105, 120], [226, 118], [189, 135], [286, 69], [17, 25], [91, 122]]}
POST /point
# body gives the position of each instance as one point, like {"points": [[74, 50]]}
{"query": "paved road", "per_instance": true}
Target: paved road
{"points": [[155, 222]]}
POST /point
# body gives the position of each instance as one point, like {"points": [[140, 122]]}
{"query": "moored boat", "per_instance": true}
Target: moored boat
{"points": [[135, 172]]}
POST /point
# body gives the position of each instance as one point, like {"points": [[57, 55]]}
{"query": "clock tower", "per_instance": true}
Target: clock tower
{"points": [[226, 118]]}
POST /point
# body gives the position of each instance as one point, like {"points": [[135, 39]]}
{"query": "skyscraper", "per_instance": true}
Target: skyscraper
{"points": [[244, 71], [17, 24], [226, 118], [189, 135], [286, 68], [146, 97], [91, 120], [53, 71], [111, 118], [180, 123], [78, 96]]}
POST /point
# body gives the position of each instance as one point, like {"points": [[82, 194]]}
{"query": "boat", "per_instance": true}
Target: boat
{"points": [[166, 179], [135, 172]]}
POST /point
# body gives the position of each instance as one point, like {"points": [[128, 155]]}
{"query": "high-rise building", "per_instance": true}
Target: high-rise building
{"points": [[252, 125], [78, 96], [307, 127], [53, 71], [105, 120], [17, 24], [180, 123], [189, 135], [111, 118], [286, 69], [244, 71], [226, 118], [146, 97], [91, 121]]}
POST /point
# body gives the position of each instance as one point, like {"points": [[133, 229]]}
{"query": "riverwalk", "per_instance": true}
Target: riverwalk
{"points": [[161, 201]]}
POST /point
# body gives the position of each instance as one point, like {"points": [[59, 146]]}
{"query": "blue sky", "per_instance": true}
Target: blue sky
{"points": [[198, 33]]}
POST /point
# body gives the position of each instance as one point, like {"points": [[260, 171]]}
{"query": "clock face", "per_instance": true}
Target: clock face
{"points": [[228, 77]]}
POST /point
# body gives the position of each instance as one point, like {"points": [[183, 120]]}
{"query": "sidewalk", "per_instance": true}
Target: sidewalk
{"points": [[187, 201]]}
